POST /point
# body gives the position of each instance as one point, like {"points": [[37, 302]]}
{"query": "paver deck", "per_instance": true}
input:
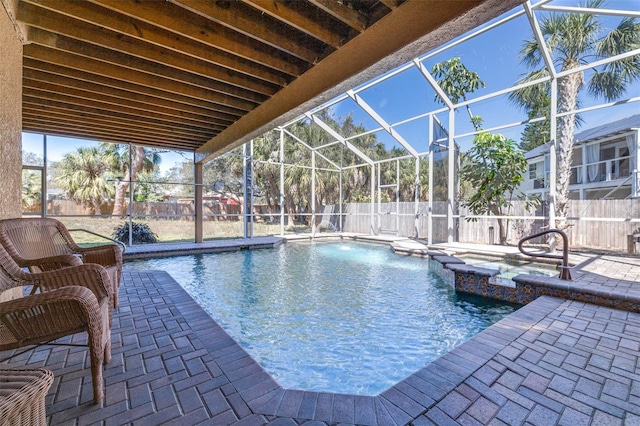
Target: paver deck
{"points": [[552, 362]]}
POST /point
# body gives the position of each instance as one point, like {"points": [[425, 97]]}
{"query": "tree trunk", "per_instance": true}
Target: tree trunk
{"points": [[290, 212], [96, 208], [502, 223], [568, 88], [121, 191], [502, 231], [122, 186]]}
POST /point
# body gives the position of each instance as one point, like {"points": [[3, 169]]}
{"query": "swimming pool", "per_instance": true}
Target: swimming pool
{"points": [[347, 318]]}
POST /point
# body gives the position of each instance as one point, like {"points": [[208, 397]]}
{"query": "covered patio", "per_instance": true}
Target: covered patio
{"points": [[209, 77]]}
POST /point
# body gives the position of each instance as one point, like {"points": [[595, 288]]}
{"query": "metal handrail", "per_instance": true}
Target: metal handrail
{"points": [[122, 246], [565, 273]]}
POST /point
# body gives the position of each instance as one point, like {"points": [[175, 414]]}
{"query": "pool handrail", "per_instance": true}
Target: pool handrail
{"points": [[565, 273], [120, 244]]}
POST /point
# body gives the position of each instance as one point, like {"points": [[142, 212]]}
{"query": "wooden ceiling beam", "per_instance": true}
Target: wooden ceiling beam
{"points": [[279, 10], [118, 111], [39, 79], [169, 100], [104, 124], [65, 33], [58, 115], [84, 132], [340, 11], [253, 24], [97, 109], [118, 72], [147, 33], [178, 20]]}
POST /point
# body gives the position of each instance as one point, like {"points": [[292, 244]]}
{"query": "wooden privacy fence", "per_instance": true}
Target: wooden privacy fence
{"points": [[597, 224]]}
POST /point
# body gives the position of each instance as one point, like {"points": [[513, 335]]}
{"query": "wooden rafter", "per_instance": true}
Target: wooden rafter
{"points": [[202, 75]]}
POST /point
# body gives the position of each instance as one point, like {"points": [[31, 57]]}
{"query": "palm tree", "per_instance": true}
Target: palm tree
{"points": [[575, 39], [83, 176], [31, 190], [116, 157]]}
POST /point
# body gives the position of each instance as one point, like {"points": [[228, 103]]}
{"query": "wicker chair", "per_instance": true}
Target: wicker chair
{"points": [[71, 300], [28, 240], [22, 395]]}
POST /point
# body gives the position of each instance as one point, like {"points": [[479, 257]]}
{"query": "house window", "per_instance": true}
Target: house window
{"points": [[536, 174]]}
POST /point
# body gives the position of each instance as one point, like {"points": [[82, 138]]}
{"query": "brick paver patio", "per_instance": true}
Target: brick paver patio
{"points": [[552, 362]]}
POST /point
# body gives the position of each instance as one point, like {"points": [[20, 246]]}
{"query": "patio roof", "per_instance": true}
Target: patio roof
{"points": [[208, 76]]}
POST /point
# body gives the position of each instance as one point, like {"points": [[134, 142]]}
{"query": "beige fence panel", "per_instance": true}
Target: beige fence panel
{"points": [[602, 234], [400, 219]]}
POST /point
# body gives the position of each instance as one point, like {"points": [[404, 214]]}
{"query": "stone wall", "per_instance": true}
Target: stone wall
{"points": [[10, 118], [10, 126]]}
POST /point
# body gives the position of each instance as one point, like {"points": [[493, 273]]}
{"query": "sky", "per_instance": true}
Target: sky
{"points": [[494, 56]]}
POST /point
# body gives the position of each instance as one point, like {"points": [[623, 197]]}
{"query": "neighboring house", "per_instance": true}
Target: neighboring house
{"points": [[604, 163]]}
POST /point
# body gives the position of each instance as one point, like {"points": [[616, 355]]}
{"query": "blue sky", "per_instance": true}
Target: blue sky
{"points": [[492, 55]]}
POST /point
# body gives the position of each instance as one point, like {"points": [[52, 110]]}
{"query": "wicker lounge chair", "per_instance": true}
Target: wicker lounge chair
{"points": [[22, 395], [71, 300], [29, 240]]}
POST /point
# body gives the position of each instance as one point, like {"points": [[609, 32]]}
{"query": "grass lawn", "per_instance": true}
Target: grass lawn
{"points": [[170, 231]]}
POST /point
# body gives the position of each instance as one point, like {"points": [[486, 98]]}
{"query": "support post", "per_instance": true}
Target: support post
{"points": [[416, 203], [281, 181], [340, 217], [373, 191], [247, 210], [43, 196], [378, 225], [397, 197], [198, 190], [451, 177], [634, 151], [430, 208], [131, 189], [553, 162], [313, 193]]}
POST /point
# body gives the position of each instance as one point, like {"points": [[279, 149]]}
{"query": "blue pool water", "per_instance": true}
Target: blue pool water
{"points": [[347, 318]]}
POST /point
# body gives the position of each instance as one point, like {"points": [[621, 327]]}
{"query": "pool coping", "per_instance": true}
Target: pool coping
{"points": [[421, 397], [400, 404]]}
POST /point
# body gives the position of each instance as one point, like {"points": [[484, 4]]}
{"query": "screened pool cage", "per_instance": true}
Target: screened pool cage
{"points": [[385, 157]]}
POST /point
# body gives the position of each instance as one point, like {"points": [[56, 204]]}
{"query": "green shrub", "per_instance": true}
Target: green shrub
{"points": [[141, 232]]}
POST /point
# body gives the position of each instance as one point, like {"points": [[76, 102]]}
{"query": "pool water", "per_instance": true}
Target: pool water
{"points": [[346, 318]]}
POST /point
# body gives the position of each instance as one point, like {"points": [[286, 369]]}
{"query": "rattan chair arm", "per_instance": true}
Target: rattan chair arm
{"points": [[39, 317], [89, 275], [105, 255], [52, 262], [83, 296]]}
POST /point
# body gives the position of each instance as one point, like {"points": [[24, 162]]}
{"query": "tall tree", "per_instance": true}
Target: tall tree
{"points": [[574, 39], [456, 81], [83, 176], [537, 133], [31, 190], [495, 167], [116, 157]]}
